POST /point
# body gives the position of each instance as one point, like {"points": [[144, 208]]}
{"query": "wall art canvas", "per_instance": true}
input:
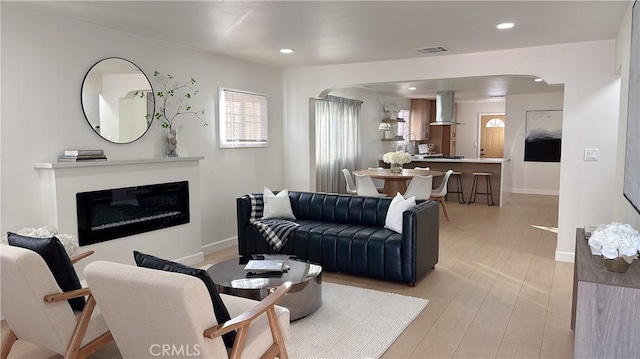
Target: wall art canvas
{"points": [[631, 187], [543, 136]]}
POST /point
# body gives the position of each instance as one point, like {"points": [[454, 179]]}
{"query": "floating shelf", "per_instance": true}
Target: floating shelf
{"points": [[388, 120], [392, 139]]}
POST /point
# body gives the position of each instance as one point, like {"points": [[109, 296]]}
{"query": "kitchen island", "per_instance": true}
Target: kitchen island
{"points": [[499, 167]]}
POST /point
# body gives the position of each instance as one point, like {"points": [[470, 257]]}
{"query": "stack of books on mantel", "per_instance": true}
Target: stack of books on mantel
{"points": [[82, 156]]}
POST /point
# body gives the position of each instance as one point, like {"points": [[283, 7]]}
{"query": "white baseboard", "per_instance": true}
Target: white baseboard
{"points": [[225, 243], [546, 192], [565, 256], [191, 259]]}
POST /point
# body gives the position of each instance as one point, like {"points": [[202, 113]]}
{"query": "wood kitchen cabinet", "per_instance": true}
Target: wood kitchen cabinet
{"points": [[443, 138], [423, 112]]}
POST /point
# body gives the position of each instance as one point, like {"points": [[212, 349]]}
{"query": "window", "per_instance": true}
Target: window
{"points": [[243, 119], [403, 127], [494, 122]]}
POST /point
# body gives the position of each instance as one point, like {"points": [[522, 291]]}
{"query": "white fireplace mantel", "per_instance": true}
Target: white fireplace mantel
{"points": [[61, 181], [53, 165]]}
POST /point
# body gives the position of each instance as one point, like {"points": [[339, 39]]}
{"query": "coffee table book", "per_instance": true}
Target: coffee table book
{"points": [[268, 265]]}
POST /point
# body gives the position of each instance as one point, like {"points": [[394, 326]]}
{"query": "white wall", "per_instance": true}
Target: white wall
{"points": [[44, 59], [592, 95], [530, 177], [467, 134]]}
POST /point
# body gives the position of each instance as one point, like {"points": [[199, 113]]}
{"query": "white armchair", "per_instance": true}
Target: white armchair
{"points": [[36, 309], [151, 310]]}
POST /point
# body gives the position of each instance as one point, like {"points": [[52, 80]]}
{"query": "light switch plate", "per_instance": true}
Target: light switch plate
{"points": [[591, 154]]}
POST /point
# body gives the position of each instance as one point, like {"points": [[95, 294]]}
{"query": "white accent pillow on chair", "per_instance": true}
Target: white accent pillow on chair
{"points": [[394, 215], [277, 206]]}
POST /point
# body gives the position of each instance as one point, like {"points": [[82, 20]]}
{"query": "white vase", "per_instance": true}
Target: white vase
{"points": [[172, 142]]}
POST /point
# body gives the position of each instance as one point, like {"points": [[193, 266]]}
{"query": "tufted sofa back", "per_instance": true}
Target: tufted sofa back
{"points": [[328, 207], [335, 208]]}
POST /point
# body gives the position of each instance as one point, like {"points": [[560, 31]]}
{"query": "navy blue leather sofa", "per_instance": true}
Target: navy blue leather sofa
{"points": [[346, 234]]}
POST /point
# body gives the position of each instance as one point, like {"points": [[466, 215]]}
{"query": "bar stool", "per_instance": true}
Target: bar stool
{"points": [[474, 187], [459, 191]]}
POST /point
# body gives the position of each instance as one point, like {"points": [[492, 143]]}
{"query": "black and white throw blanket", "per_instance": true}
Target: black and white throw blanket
{"points": [[276, 231]]}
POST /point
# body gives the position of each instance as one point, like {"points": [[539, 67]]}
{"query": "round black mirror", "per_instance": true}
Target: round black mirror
{"points": [[112, 103]]}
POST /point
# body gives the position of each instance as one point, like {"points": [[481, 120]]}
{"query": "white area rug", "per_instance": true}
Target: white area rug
{"points": [[352, 323]]}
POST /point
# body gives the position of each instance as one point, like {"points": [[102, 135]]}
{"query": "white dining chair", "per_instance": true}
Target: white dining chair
{"points": [[422, 168], [351, 186], [420, 187], [365, 186], [379, 183], [439, 193]]}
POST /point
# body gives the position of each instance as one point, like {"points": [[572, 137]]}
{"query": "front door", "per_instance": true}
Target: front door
{"points": [[492, 136]]}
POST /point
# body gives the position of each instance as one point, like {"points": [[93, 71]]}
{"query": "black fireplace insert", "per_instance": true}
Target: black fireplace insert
{"points": [[120, 212]]}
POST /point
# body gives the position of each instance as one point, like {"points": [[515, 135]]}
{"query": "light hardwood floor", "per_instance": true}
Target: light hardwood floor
{"points": [[496, 291]]}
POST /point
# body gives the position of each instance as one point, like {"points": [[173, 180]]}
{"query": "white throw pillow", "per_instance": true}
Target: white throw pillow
{"points": [[396, 208], [277, 206]]}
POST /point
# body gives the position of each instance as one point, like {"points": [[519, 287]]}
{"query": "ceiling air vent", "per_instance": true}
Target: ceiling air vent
{"points": [[432, 50]]}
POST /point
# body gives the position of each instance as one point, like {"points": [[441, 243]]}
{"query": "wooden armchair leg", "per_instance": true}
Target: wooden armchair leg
{"points": [[7, 343], [238, 344], [276, 333], [95, 344], [73, 349]]}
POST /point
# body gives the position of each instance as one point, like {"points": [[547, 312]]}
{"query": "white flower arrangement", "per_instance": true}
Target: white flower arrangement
{"points": [[69, 241], [392, 107], [615, 240], [399, 157]]}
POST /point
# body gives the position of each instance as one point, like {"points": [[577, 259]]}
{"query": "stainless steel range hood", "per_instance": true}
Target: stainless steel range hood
{"points": [[444, 109]]}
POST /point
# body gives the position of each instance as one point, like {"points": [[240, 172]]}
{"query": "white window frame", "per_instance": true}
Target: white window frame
{"points": [[494, 123], [222, 123]]}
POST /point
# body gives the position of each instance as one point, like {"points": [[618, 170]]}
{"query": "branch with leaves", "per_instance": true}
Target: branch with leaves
{"points": [[167, 111]]}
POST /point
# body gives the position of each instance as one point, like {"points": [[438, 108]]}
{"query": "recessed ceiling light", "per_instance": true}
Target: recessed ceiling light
{"points": [[286, 51], [412, 88], [505, 25], [538, 80]]}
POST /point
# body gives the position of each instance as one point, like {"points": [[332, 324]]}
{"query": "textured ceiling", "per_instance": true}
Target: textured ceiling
{"points": [[337, 32]]}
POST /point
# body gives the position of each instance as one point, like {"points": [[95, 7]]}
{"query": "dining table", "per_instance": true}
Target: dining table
{"points": [[396, 182]]}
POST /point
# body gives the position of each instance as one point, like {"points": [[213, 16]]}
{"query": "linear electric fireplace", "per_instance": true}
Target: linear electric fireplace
{"points": [[120, 212]]}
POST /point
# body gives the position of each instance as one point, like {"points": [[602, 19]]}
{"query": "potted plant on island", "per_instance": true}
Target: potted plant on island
{"points": [[171, 102]]}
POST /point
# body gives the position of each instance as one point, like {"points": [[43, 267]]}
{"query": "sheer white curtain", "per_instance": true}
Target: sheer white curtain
{"points": [[337, 141]]}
